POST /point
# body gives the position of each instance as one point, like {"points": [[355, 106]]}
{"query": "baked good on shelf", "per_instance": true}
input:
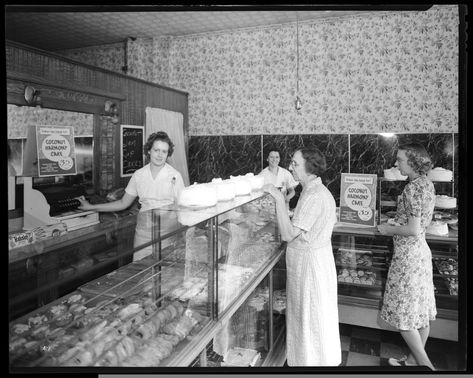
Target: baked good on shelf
{"points": [[198, 196], [437, 228], [256, 182], [393, 174], [242, 186], [440, 174], [226, 190], [445, 202]]}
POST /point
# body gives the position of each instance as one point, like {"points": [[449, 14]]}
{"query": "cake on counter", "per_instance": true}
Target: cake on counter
{"points": [[393, 174], [440, 174]]}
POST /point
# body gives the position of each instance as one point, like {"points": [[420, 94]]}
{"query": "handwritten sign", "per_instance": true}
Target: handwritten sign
{"points": [[131, 149], [358, 199], [56, 150]]}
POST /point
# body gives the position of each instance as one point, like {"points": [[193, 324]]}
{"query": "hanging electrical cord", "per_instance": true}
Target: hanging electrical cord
{"points": [[298, 102]]}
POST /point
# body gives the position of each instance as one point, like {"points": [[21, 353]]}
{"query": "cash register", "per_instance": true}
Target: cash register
{"points": [[55, 203]]}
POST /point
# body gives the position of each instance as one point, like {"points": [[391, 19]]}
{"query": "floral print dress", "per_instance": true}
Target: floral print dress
{"points": [[409, 300]]}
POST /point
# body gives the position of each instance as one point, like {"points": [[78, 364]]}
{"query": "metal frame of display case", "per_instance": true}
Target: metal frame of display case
{"points": [[184, 355]]}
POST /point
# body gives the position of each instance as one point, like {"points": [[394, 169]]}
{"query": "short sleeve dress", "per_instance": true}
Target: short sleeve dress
{"points": [[409, 299], [312, 333]]}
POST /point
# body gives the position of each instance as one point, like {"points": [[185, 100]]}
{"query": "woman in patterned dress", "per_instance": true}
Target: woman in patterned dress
{"points": [[312, 333], [409, 301]]}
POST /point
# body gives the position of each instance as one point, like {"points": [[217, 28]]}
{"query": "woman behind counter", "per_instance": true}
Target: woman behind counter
{"points": [[312, 333], [409, 299], [278, 176], [156, 184]]}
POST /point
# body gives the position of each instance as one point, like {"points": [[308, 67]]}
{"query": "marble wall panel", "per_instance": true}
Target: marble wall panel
{"points": [[222, 156], [333, 146]]}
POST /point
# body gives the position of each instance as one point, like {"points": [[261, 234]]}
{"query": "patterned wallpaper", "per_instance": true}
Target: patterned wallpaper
{"points": [[20, 117], [391, 71], [110, 57]]}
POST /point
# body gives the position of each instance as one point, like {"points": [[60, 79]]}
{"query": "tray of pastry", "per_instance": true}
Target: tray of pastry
{"points": [[447, 267], [356, 258], [77, 331], [358, 277]]}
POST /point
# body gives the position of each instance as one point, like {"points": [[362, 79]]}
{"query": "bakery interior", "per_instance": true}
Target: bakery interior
{"points": [[353, 81]]}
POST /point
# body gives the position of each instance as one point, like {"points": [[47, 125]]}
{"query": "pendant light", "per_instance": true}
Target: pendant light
{"points": [[298, 102]]}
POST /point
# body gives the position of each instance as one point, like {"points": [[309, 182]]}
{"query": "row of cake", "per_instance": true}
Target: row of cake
{"points": [[208, 194], [435, 174]]}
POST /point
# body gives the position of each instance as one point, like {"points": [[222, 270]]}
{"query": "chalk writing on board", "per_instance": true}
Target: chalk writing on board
{"points": [[131, 149]]}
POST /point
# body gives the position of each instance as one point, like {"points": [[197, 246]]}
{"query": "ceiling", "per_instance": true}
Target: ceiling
{"points": [[71, 27]]}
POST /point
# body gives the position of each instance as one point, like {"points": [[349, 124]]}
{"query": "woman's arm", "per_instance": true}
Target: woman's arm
{"points": [[412, 228], [290, 193], [118, 205], [286, 228]]}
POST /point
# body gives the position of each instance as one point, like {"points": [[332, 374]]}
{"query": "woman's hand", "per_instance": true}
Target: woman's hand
{"points": [[385, 228], [275, 193], [84, 204]]}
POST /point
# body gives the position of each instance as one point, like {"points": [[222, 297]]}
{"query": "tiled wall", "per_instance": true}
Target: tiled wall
{"points": [[217, 156]]}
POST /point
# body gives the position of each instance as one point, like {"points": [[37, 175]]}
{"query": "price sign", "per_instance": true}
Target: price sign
{"points": [[56, 150], [131, 149], [358, 199]]}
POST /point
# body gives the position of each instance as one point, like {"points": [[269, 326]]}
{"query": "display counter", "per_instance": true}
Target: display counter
{"points": [[362, 257], [202, 294]]}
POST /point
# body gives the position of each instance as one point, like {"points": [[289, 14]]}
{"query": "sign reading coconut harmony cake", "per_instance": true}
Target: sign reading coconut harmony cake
{"points": [[56, 150], [358, 199]]}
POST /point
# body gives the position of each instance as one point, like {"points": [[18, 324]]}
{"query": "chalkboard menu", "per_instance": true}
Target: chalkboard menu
{"points": [[131, 149]]}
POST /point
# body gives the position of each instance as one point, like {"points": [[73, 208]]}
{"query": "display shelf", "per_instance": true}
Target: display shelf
{"points": [[210, 248]]}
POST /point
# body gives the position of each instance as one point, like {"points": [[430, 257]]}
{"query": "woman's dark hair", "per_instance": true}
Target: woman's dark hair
{"points": [[417, 157], [162, 136], [272, 149], [314, 161]]}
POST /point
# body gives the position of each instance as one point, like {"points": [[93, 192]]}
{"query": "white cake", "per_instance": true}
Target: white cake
{"points": [[226, 190], [445, 202], [256, 182], [198, 195], [393, 174], [242, 186], [440, 174], [437, 228]]}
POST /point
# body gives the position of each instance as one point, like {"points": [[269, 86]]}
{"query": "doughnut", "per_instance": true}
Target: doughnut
{"points": [[57, 310], [83, 358], [156, 322], [20, 328], [64, 319], [129, 345], [74, 298], [111, 358], [151, 309], [167, 314], [57, 332], [16, 342], [131, 309], [121, 352], [161, 316], [40, 332], [37, 320], [68, 354], [179, 307], [172, 310], [93, 331]]}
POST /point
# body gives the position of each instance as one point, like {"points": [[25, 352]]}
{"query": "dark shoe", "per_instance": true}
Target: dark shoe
{"points": [[399, 362]]}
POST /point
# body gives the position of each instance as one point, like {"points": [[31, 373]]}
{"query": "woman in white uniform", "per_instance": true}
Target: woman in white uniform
{"points": [[156, 184], [279, 177], [312, 333]]}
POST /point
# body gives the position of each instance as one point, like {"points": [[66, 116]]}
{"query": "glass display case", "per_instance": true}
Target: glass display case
{"points": [[200, 280], [362, 258]]}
